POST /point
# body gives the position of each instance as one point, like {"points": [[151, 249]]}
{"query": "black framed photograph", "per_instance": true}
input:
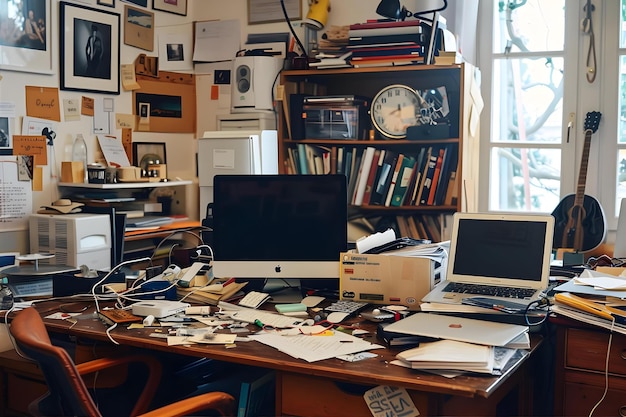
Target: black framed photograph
{"points": [[108, 3], [171, 6], [148, 153], [25, 36], [90, 49], [142, 3]]}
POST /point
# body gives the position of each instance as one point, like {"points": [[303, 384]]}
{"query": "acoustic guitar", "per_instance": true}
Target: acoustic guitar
{"points": [[580, 223]]}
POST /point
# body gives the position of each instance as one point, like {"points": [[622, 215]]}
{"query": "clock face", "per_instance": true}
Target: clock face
{"points": [[394, 108]]}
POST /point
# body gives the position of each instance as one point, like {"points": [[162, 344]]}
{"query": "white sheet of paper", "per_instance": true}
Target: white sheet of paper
{"points": [[113, 151], [217, 40], [600, 281]]}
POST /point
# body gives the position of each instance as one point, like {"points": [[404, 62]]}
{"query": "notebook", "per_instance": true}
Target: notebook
{"points": [[481, 332], [499, 251]]}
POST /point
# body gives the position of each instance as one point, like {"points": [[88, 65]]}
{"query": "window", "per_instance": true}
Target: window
{"points": [[534, 57]]}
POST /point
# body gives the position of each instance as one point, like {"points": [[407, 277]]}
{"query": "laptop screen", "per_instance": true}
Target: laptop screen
{"points": [[501, 249]]}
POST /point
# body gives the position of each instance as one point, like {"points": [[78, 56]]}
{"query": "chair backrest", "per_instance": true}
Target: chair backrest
{"points": [[68, 395]]}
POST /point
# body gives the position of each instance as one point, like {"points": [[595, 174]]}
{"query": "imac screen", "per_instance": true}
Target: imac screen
{"points": [[279, 226]]}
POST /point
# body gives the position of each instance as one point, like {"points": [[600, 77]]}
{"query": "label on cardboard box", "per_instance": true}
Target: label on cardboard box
{"points": [[387, 279]]}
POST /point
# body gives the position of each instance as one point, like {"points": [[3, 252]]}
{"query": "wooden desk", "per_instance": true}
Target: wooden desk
{"points": [[579, 369], [315, 389]]}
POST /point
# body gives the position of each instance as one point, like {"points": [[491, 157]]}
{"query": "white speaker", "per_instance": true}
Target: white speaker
{"points": [[253, 83]]}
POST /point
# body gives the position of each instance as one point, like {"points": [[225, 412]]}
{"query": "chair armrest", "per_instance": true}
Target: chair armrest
{"points": [[152, 380], [219, 401]]}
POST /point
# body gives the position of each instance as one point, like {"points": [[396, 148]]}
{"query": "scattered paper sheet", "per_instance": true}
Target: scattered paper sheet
{"points": [[314, 348], [113, 151], [600, 281]]}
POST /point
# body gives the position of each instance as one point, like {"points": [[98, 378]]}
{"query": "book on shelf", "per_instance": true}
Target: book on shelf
{"points": [[417, 38], [374, 24], [384, 31], [415, 176], [386, 62], [452, 192], [413, 230], [363, 174], [403, 226], [379, 192], [357, 157], [340, 163], [302, 159], [373, 175], [429, 172], [433, 187], [450, 161], [394, 179], [402, 183], [410, 49]]}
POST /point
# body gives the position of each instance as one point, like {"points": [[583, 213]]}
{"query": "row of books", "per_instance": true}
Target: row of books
{"points": [[384, 177], [435, 227]]}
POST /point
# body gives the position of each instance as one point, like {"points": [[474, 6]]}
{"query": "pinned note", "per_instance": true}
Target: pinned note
{"points": [[43, 102]]}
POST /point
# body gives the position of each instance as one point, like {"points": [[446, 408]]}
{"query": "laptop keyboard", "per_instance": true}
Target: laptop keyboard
{"points": [[507, 292]]}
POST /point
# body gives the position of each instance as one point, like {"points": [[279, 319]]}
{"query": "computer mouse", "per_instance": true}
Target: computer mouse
{"points": [[336, 317]]}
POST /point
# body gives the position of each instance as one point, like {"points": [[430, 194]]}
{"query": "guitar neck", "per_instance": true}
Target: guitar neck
{"points": [[582, 175]]}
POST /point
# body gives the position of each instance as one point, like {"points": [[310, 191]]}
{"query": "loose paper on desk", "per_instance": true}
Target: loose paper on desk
{"points": [[313, 348], [366, 243], [600, 281]]}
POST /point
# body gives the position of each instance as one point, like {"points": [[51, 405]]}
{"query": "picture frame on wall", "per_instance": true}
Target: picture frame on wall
{"points": [[148, 153], [142, 3], [138, 28], [108, 3], [6, 137], [90, 49], [171, 6], [25, 43]]}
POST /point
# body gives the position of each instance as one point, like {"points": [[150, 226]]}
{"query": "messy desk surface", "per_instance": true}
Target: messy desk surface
{"points": [[375, 370]]}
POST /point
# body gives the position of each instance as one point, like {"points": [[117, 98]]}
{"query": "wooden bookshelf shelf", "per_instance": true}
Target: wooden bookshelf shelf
{"points": [[417, 199]]}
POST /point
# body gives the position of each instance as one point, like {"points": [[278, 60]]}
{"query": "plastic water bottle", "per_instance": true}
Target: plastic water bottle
{"points": [[79, 153], [6, 295]]}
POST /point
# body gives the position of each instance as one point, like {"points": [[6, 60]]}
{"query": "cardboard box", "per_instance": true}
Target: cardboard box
{"points": [[387, 279], [72, 171]]}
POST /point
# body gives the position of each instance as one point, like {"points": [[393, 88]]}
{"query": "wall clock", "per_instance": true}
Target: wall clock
{"points": [[393, 109]]}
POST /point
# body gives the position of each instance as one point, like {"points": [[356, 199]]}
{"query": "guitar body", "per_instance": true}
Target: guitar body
{"points": [[579, 227]]}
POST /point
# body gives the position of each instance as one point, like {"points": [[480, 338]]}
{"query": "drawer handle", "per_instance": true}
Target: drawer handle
{"points": [[622, 411], [623, 354]]}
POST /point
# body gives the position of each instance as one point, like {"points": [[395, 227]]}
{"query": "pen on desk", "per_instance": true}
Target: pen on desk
{"points": [[230, 281], [259, 323]]}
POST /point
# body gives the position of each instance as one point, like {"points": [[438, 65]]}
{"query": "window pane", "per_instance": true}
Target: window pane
{"points": [[622, 21], [533, 25], [527, 100], [621, 178], [525, 179], [622, 100]]}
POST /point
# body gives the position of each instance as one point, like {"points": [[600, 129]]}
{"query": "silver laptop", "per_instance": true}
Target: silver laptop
{"points": [[501, 256]]}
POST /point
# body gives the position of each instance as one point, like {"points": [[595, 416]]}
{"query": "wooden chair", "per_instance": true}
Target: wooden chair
{"points": [[68, 394]]}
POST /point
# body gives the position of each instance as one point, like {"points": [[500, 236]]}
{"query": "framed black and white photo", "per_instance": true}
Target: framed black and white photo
{"points": [[6, 142], [90, 49], [171, 6], [175, 51], [142, 3], [25, 36]]}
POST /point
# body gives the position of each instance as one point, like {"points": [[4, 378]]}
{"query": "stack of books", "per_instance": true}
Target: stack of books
{"points": [[386, 43]]}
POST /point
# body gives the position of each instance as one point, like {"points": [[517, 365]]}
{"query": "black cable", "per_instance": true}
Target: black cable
{"points": [[293, 32]]}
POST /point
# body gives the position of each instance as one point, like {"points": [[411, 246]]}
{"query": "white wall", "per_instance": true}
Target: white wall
{"points": [[180, 161]]}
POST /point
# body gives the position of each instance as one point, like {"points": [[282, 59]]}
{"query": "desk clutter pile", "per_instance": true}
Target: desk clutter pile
{"points": [[200, 309]]}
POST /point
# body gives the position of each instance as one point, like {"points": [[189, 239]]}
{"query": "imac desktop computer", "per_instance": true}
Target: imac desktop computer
{"points": [[280, 227]]}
